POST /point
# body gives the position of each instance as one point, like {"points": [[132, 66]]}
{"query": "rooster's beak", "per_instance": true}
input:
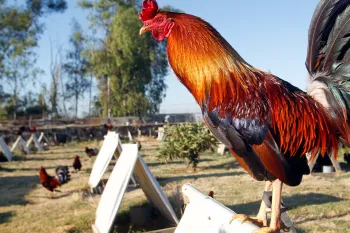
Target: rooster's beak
{"points": [[143, 30]]}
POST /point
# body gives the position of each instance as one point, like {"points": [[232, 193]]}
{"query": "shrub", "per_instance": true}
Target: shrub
{"points": [[186, 141]]}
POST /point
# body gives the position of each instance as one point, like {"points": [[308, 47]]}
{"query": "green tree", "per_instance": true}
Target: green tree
{"points": [[20, 30], [18, 70], [56, 74], [135, 65], [42, 101], [76, 66], [186, 141], [4, 99], [20, 27]]}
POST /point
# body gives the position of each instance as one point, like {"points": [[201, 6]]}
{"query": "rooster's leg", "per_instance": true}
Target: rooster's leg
{"points": [[262, 215], [275, 223], [261, 219]]}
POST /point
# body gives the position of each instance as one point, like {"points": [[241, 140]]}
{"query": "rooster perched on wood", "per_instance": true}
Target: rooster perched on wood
{"points": [[268, 124], [52, 182]]}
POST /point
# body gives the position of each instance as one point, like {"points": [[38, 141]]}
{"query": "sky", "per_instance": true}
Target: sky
{"points": [[270, 35]]}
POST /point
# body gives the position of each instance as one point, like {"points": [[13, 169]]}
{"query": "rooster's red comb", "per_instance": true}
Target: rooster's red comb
{"points": [[149, 10]]}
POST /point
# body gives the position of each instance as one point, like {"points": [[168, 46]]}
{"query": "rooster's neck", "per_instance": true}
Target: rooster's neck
{"points": [[206, 63]]}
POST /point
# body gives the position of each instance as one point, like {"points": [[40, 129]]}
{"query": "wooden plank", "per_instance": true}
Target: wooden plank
{"points": [[204, 214]]}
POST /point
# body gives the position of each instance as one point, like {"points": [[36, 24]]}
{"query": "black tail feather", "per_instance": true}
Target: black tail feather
{"points": [[329, 38], [62, 172], [328, 61]]}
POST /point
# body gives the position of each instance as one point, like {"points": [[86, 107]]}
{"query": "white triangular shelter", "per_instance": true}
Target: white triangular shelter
{"points": [[111, 143], [312, 162], [34, 139], [153, 191], [5, 150], [43, 137], [129, 136], [203, 214], [116, 187], [20, 141]]}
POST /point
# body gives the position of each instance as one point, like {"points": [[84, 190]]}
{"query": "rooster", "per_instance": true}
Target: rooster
{"points": [[139, 145], [268, 124], [76, 163], [347, 158], [21, 130], [90, 152], [51, 182], [109, 127], [32, 129]]}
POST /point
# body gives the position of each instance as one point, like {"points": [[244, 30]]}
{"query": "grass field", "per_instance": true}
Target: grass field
{"points": [[320, 204]]}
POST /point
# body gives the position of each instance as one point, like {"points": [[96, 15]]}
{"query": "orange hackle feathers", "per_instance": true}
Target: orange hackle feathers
{"points": [[189, 52], [303, 124]]}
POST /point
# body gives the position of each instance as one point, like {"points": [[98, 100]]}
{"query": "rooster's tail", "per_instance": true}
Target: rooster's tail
{"points": [[328, 62], [62, 173]]}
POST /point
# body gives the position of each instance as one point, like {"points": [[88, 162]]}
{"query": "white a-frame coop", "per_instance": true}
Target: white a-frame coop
{"points": [[20, 142], [5, 150], [34, 139], [128, 164]]}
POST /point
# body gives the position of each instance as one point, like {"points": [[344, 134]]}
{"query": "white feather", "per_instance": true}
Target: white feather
{"points": [[318, 90]]}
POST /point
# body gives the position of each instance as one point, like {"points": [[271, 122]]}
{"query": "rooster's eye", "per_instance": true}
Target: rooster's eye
{"points": [[147, 24], [160, 20]]}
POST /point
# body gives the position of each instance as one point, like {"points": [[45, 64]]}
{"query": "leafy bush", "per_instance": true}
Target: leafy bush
{"points": [[186, 141]]}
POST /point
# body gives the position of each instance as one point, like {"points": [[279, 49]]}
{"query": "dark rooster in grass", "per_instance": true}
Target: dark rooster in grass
{"points": [[52, 182], [139, 145], [90, 152], [77, 163], [268, 124]]}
